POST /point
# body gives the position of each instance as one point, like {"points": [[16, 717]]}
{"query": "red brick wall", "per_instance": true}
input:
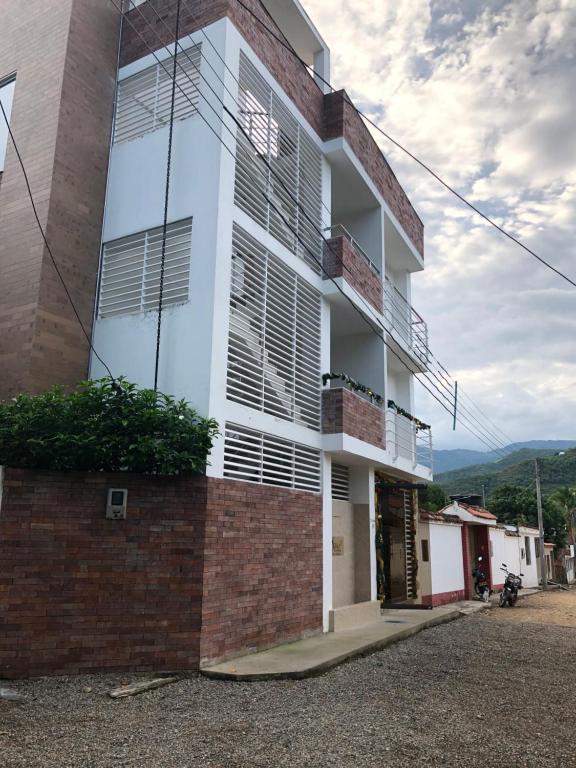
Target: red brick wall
{"points": [[199, 567], [79, 592], [342, 260], [341, 119], [443, 598], [262, 568], [345, 412]]}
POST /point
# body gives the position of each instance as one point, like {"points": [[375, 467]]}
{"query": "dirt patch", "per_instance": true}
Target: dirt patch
{"points": [[552, 607]]}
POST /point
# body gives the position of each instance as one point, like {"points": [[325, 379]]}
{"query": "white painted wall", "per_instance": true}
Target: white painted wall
{"points": [[499, 553], [530, 578], [447, 569]]}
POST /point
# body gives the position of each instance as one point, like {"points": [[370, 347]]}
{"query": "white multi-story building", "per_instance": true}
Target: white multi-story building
{"points": [[289, 251]]}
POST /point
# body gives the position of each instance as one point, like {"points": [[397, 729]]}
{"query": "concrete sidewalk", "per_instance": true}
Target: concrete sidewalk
{"points": [[315, 655]]}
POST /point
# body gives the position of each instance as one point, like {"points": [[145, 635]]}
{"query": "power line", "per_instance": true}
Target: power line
{"points": [[47, 244], [397, 144], [449, 408], [280, 213], [166, 200]]}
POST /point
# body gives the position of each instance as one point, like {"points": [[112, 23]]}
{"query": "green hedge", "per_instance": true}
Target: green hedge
{"points": [[105, 425]]}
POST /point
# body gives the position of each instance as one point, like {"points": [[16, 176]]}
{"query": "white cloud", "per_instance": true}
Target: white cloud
{"points": [[484, 93]]}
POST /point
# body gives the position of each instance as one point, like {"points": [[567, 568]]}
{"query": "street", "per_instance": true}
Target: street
{"points": [[492, 689]]}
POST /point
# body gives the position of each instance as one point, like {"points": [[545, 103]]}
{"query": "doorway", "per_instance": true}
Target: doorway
{"points": [[395, 544]]}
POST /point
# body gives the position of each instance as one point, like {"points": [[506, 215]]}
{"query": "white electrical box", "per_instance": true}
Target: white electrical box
{"points": [[116, 504]]}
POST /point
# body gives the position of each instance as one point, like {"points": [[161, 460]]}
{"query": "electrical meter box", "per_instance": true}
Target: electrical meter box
{"points": [[116, 504]]}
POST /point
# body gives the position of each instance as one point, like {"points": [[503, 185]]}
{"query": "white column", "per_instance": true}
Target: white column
{"points": [[326, 540]]}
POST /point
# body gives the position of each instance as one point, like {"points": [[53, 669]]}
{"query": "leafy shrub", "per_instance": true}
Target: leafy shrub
{"points": [[105, 425]]}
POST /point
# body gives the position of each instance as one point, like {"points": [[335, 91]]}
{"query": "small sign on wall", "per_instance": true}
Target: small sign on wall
{"points": [[337, 545]]}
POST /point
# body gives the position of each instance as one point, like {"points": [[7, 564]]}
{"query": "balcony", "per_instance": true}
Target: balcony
{"points": [[343, 257], [342, 120], [404, 322], [407, 439], [346, 412], [364, 416]]}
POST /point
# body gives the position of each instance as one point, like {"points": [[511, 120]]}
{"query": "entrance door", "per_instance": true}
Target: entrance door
{"points": [[395, 545]]}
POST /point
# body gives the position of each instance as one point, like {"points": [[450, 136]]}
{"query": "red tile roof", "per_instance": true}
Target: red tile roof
{"points": [[477, 511]]}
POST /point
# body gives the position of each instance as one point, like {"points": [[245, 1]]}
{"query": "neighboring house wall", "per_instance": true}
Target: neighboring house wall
{"points": [[529, 569], [446, 557], [498, 549], [442, 577], [64, 56], [201, 569], [512, 551]]}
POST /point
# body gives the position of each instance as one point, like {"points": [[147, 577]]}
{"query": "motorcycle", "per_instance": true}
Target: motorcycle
{"points": [[481, 586], [512, 585]]}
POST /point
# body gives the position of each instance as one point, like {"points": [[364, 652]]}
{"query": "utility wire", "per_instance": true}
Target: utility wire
{"points": [[280, 213], [397, 144], [47, 244], [166, 198], [449, 408]]}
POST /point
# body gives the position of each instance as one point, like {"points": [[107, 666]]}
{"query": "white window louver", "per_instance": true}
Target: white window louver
{"points": [[144, 99], [340, 482], [274, 340], [257, 457], [130, 278], [294, 185]]}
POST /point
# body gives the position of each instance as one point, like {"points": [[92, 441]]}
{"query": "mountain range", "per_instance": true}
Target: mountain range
{"points": [[517, 468], [457, 458]]}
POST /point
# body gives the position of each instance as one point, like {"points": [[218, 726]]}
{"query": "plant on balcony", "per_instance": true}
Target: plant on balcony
{"points": [[106, 425], [420, 425], [354, 385]]}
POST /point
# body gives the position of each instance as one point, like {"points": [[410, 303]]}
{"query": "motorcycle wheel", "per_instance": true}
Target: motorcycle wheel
{"points": [[502, 600], [512, 600]]}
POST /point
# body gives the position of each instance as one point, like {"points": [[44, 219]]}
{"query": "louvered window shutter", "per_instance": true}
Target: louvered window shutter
{"points": [[130, 278]]}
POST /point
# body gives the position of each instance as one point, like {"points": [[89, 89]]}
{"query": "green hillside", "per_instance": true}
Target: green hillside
{"points": [[515, 469]]}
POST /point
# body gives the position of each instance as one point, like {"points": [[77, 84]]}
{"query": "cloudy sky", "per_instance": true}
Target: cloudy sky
{"points": [[485, 93]]}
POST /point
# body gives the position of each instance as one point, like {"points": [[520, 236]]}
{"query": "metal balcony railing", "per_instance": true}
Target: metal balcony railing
{"points": [[408, 324], [406, 440], [339, 230]]}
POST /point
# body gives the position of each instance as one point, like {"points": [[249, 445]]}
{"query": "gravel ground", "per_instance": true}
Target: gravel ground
{"points": [[553, 607], [468, 693]]}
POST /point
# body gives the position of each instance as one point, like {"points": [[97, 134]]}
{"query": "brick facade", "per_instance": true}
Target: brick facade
{"points": [[341, 259], [346, 412], [64, 54], [199, 567], [263, 568]]}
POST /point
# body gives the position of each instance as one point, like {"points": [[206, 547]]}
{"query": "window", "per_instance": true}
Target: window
{"points": [[260, 458], [274, 339], [260, 126], [6, 97], [425, 551], [340, 482], [145, 99], [527, 549], [284, 195], [130, 278], [537, 547]]}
